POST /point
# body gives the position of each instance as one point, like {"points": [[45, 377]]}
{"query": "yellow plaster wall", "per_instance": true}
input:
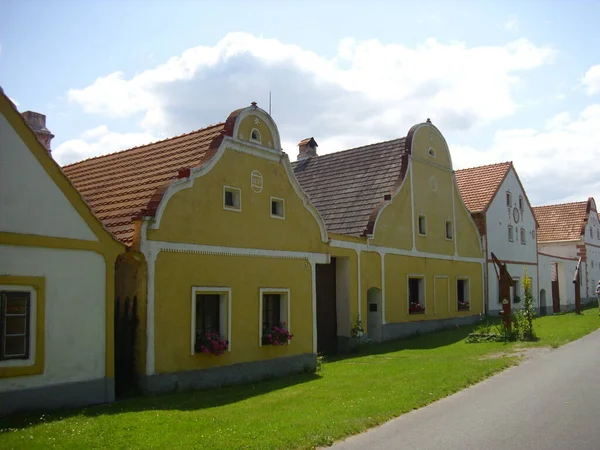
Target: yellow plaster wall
{"points": [[428, 136], [352, 258], [435, 205], [196, 215], [248, 124], [397, 270], [370, 263], [177, 273], [393, 227], [469, 240]]}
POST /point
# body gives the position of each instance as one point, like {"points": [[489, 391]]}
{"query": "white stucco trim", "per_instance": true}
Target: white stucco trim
{"points": [[285, 313], [224, 319], [267, 120], [412, 205], [430, 125], [232, 189], [32, 326], [468, 280], [359, 296], [454, 236], [280, 200], [358, 247], [150, 252], [447, 278], [382, 255]]}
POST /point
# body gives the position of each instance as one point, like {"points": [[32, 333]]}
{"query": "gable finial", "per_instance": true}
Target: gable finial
{"points": [[253, 104], [428, 120]]}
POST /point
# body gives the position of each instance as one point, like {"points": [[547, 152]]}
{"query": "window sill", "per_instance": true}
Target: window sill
{"points": [[415, 312]]}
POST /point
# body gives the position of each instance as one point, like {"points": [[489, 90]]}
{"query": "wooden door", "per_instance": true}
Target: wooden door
{"points": [[326, 308]]}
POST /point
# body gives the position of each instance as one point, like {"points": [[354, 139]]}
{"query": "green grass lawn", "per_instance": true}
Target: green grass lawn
{"points": [[347, 396]]}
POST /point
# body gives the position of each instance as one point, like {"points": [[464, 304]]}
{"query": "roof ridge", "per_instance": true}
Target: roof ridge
{"points": [[486, 165], [351, 149], [145, 145], [561, 204]]}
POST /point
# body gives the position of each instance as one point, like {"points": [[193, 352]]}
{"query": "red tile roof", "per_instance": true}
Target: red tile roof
{"points": [[348, 187], [478, 185], [563, 222], [120, 186]]}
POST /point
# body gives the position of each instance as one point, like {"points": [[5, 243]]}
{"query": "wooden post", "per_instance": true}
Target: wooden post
{"points": [[577, 283], [506, 282]]}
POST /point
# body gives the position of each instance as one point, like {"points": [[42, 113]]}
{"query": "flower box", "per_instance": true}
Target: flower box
{"points": [[464, 306], [277, 335], [209, 342], [416, 308]]}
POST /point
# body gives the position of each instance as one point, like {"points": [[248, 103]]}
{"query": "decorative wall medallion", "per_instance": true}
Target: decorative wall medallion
{"points": [[269, 144], [516, 215], [241, 135], [433, 183], [256, 181], [256, 121]]}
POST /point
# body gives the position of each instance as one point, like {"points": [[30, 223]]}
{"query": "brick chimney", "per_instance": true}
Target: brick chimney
{"points": [[307, 148], [37, 122]]}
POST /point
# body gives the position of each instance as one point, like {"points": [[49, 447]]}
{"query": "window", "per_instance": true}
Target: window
{"points": [[422, 225], [598, 233], [232, 198], [462, 294], [15, 329], [521, 203], [516, 291], [591, 233], [448, 229], [508, 199], [277, 208], [255, 135], [523, 236], [416, 295], [274, 313], [431, 152], [510, 233], [211, 308]]}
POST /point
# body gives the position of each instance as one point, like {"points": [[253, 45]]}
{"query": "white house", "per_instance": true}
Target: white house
{"points": [[56, 278], [499, 205], [567, 232]]}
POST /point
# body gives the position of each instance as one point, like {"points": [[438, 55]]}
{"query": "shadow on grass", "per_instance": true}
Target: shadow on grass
{"points": [[182, 401]]}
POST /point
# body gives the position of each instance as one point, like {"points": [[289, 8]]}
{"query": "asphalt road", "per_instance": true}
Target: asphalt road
{"points": [[551, 401]]}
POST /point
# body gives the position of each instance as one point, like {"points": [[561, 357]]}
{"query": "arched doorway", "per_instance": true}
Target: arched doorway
{"points": [[542, 302], [374, 318]]}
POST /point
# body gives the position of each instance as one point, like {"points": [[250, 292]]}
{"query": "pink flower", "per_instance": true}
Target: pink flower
{"points": [[205, 350]]}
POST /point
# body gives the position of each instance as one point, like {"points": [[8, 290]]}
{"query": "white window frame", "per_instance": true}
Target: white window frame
{"points": [[511, 233], [238, 192], [224, 313], [521, 204], [282, 202], [523, 236], [284, 310], [508, 199], [468, 280], [32, 326], [257, 141], [451, 238], [423, 295], [419, 224]]}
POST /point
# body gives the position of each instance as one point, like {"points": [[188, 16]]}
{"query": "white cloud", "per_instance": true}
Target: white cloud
{"points": [[591, 80], [370, 88], [98, 141], [555, 165]]}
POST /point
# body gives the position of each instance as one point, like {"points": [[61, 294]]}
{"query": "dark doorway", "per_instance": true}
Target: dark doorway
{"points": [[326, 308], [555, 289], [125, 330]]}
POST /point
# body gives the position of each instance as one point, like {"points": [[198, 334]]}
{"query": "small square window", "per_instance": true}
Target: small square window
{"points": [[277, 208], [422, 225], [508, 199], [511, 236], [15, 330], [523, 236], [232, 198], [448, 229]]}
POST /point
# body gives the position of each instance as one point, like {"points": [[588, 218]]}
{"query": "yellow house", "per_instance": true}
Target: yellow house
{"points": [[406, 255], [222, 240], [56, 278]]}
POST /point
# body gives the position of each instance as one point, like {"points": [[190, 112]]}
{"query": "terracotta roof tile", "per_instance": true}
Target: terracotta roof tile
{"points": [[348, 186], [119, 186], [563, 222], [478, 185]]}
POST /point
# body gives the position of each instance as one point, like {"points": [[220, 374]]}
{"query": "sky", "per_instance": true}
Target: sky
{"points": [[503, 80]]}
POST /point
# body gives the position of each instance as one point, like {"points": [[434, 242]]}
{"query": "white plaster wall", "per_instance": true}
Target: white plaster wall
{"points": [[566, 270], [75, 319], [516, 271], [592, 243], [498, 217], [30, 201], [561, 249]]}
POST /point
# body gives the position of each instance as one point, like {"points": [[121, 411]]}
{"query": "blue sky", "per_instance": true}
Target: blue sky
{"points": [[504, 80]]}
